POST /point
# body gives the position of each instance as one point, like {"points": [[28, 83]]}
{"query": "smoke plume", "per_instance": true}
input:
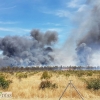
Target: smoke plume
{"points": [[24, 51], [88, 43], [81, 48]]}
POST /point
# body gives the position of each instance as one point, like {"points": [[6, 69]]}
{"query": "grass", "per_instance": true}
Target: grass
{"points": [[28, 88]]}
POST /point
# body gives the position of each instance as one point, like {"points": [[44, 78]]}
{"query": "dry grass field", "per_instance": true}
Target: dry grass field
{"points": [[27, 88]]}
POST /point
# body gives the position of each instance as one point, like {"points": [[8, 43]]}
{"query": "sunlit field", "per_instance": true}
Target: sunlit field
{"points": [[49, 85]]}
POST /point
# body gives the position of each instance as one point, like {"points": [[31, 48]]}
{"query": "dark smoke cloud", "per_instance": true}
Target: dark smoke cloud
{"points": [[45, 39], [82, 48], [24, 51]]}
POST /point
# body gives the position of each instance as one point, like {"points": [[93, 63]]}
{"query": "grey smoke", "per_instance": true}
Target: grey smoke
{"points": [[88, 42], [81, 48], [44, 39], [25, 51]]}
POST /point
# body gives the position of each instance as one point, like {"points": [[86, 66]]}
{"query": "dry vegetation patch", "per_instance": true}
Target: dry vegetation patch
{"points": [[54, 82]]}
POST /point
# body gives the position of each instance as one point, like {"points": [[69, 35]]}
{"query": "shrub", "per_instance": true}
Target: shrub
{"points": [[54, 85], [45, 75], [89, 73], [21, 75], [67, 74], [93, 84], [47, 84], [4, 83], [80, 73], [11, 72]]}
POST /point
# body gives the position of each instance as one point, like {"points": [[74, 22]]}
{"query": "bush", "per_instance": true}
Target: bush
{"points": [[11, 72], [80, 73], [54, 85], [21, 75], [47, 84], [4, 83], [45, 75], [89, 74], [93, 84], [67, 74]]}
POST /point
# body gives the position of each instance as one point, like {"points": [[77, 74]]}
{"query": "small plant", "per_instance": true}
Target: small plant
{"points": [[47, 84], [54, 85], [4, 83], [93, 84], [45, 75], [67, 74], [11, 72], [80, 73], [89, 73], [21, 75]]}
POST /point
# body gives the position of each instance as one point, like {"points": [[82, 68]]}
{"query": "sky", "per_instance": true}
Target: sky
{"points": [[19, 17]]}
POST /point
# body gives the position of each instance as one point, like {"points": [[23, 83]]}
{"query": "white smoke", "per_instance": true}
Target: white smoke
{"points": [[83, 46]]}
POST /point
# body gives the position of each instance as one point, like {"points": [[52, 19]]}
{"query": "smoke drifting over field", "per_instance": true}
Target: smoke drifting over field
{"points": [[82, 47]]}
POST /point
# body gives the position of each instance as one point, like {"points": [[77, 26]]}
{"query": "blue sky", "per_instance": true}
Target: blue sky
{"points": [[19, 17]]}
